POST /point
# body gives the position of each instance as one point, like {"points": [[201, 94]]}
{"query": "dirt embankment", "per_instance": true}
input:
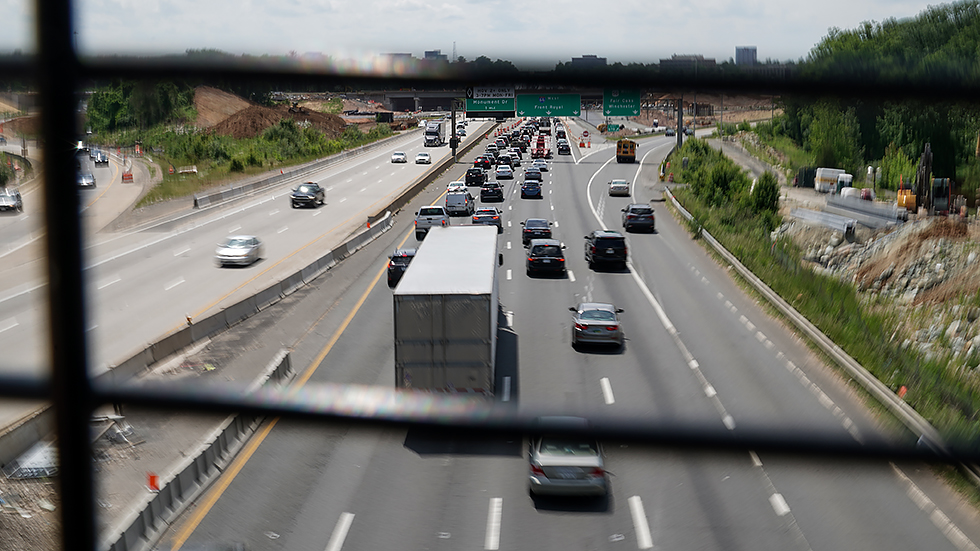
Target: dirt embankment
{"points": [[214, 106], [253, 120]]}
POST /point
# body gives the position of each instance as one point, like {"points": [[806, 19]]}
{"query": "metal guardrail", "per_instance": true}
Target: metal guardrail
{"points": [[914, 422], [833, 221], [231, 191]]}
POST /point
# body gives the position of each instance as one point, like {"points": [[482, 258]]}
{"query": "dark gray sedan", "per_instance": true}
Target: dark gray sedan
{"points": [[597, 323], [309, 194], [488, 216]]}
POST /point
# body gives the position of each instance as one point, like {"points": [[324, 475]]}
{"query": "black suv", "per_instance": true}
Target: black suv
{"points": [[309, 194], [638, 215], [605, 247], [491, 191], [399, 262], [545, 255], [475, 176]]}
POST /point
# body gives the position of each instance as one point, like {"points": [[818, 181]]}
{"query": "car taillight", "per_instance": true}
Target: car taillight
{"points": [[561, 259], [581, 326], [537, 470], [630, 216], [592, 249], [496, 218], [612, 327], [597, 472]]}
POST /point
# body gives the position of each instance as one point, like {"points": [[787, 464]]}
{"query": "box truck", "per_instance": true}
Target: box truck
{"points": [[435, 133], [445, 313]]}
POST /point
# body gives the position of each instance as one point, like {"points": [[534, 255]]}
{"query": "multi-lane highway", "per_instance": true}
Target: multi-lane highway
{"points": [[143, 284], [698, 350]]}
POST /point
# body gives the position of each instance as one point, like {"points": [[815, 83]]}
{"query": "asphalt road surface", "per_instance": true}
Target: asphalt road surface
{"points": [[698, 351]]}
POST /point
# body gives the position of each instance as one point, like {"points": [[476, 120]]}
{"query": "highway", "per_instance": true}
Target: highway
{"points": [[168, 268], [698, 350]]}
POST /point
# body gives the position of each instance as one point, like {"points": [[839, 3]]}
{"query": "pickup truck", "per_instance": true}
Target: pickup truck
{"points": [[428, 217]]}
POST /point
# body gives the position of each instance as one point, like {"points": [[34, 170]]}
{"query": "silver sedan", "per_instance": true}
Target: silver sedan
{"points": [[596, 322], [238, 250], [563, 465]]}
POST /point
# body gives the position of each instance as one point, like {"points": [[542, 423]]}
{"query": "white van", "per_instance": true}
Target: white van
{"points": [[460, 203]]}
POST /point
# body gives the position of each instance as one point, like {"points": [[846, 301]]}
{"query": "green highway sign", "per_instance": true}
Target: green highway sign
{"points": [[549, 105], [620, 103], [490, 104]]}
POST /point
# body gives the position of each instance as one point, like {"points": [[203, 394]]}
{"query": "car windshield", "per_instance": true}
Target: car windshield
{"points": [[611, 242], [641, 210], [236, 242], [567, 447], [598, 315], [536, 223], [546, 250], [432, 211], [306, 189]]}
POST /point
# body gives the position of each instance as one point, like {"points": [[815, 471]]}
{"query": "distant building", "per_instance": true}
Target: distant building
{"points": [[685, 63], [745, 55], [435, 55], [398, 57], [588, 61]]}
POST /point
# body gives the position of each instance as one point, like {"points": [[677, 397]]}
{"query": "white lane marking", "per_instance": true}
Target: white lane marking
{"points": [[693, 364], [506, 397], [607, 393], [282, 229], [9, 324], [330, 188], [510, 207], [492, 541], [743, 320], [728, 304], [317, 213], [710, 392], [778, 504], [508, 245], [508, 223], [234, 229], [336, 542], [173, 284], [556, 223], [91, 328], [729, 422], [363, 189], [749, 325], [182, 251], [936, 515], [108, 283], [640, 524], [720, 296], [571, 276], [755, 459], [274, 212], [510, 274], [704, 279], [769, 345], [759, 336], [344, 199], [552, 207]]}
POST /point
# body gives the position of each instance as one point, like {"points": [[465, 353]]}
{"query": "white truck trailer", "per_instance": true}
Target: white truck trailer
{"points": [[445, 313], [826, 179]]}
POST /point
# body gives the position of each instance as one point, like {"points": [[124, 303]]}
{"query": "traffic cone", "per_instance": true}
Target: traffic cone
{"points": [[171, 169], [901, 391], [152, 482]]}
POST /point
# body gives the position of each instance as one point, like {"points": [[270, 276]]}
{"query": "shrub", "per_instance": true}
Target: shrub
{"points": [[237, 165]]}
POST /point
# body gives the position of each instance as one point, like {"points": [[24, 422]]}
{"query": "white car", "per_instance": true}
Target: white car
{"points": [[619, 187], [238, 250], [399, 157], [540, 164], [504, 172], [458, 185], [423, 159]]}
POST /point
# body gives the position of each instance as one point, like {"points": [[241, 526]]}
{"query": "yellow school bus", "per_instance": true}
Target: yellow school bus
{"points": [[625, 151]]}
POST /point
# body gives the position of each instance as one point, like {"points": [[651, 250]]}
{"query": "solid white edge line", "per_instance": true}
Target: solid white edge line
{"points": [[492, 542], [755, 459], [510, 274], [174, 284], [13, 324], [640, 524], [571, 276], [607, 393], [104, 285], [340, 532]]}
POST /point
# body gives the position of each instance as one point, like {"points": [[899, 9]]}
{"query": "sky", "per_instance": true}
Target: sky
{"points": [[530, 34]]}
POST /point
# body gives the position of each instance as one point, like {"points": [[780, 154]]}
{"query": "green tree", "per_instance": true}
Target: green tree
{"points": [[834, 137], [765, 195]]}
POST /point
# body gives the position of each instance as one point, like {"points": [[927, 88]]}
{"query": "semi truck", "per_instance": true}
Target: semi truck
{"points": [[435, 133], [445, 313]]}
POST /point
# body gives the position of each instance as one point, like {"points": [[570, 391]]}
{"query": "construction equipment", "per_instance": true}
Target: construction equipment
{"points": [[906, 197], [923, 190]]}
